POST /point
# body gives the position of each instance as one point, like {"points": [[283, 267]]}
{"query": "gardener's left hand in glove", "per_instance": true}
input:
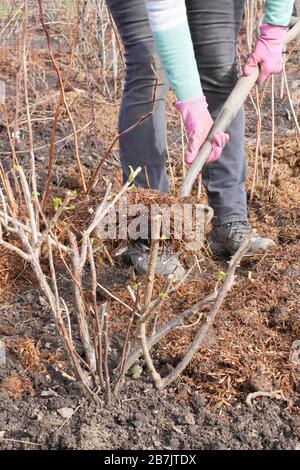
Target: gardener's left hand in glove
{"points": [[267, 52], [198, 123]]}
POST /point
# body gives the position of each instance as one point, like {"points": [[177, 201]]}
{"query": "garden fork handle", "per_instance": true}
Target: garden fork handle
{"points": [[226, 116]]}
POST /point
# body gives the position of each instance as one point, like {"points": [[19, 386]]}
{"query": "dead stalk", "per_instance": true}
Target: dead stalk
{"points": [[291, 102], [97, 332], [126, 345], [156, 226], [57, 114], [104, 321], [257, 148], [25, 77], [79, 302], [155, 238], [270, 174], [64, 99]]}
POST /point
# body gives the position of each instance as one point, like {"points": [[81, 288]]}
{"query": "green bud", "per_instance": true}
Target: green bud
{"points": [[136, 371]]}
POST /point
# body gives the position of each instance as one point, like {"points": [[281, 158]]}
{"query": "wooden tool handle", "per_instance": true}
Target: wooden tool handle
{"points": [[229, 111]]}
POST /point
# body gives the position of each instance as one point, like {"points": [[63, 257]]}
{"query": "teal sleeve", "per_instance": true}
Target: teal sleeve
{"points": [[176, 53], [278, 12]]}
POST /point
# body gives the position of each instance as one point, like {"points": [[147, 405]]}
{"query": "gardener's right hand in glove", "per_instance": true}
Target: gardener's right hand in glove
{"points": [[198, 123], [267, 52]]}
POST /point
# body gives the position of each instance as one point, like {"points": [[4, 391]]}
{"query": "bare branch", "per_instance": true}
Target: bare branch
{"points": [[206, 325]]}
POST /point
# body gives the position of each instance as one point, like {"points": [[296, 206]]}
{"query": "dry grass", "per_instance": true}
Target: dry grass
{"points": [[32, 359], [15, 386], [12, 273], [252, 336]]}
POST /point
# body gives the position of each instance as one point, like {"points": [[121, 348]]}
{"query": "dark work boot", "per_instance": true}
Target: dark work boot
{"points": [[226, 239], [167, 262]]}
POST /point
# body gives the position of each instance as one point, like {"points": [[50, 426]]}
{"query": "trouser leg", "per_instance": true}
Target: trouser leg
{"points": [[215, 27], [145, 145]]}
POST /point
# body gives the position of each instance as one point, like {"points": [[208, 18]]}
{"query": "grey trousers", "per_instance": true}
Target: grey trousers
{"points": [[214, 26]]}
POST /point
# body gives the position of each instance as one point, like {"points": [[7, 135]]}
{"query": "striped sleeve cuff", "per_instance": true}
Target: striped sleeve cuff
{"points": [[278, 12], [174, 45]]}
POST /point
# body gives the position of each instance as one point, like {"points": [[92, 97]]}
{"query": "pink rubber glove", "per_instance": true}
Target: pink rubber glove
{"points": [[198, 123], [267, 52]]}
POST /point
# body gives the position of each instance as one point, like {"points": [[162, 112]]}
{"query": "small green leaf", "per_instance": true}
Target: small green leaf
{"points": [[164, 237], [57, 202], [132, 186], [131, 176], [136, 371], [163, 295], [16, 168], [74, 193], [222, 275], [35, 194]]}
